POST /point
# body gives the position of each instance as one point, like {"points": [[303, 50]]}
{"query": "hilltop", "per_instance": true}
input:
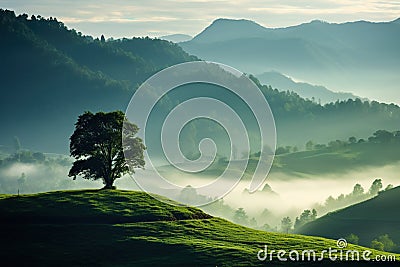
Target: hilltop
{"points": [[230, 29], [109, 228], [92, 207]]}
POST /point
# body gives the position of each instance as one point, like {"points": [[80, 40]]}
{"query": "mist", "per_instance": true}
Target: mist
{"points": [[288, 195], [297, 193], [27, 178]]}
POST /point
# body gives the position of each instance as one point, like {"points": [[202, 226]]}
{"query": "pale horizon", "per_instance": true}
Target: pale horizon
{"points": [[158, 18]]}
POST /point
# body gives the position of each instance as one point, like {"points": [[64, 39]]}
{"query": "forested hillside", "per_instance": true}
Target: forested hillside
{"points": [[51, 74], [368, 220]]}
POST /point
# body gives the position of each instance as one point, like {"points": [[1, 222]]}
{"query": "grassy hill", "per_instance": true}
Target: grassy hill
{"points": [[338, 160], [124, 228], [335, 157], [367, 220]]}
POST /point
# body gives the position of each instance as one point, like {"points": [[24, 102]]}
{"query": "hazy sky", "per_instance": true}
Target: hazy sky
{"points": [[119, 18]]}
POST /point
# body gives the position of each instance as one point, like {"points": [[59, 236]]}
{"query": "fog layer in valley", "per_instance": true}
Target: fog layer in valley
{"points": [[287, 196]]}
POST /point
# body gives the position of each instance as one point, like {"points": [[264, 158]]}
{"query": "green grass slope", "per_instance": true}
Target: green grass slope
{"points": [[327, 160], [338, 160], [123, 228], [368, 220], [93, 207]]}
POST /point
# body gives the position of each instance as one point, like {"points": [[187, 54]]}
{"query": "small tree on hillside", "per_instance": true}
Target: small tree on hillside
{"points": [[358, 191], [310, 145], [241, 217], [388, 243], [96, 145], [286, 225], [375, 244], [305, 217], [352, 140], [375, 187], [353, 239]]}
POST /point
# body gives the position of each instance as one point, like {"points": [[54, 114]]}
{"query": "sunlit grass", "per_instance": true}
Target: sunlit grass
{"points": [[125, 228]]}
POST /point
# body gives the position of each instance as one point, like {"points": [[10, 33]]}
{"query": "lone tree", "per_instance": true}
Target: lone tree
{"points": [[97, 147]]}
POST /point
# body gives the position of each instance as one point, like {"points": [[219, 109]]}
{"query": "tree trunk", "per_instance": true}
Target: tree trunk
{"points": [[108, 184]]}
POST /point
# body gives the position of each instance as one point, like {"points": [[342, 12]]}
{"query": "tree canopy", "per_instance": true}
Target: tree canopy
{"points": [[97, 147]]}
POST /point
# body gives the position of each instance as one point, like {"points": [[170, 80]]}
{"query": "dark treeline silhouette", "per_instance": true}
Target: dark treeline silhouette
{"points": [[337, 120], [379, 137], [295, 106], [358, 194]]}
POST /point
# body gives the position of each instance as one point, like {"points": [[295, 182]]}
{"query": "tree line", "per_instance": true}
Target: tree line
{"points": [[378, 137]]}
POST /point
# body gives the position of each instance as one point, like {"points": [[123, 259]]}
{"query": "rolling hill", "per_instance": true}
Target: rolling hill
{"points": [[176, 38], [319, 93], [359, 56], [125, 228], [338, 157], [368, 220]]}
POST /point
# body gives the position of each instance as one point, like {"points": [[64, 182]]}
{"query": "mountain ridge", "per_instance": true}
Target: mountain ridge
{"points": [[319, 93], [356, 57], [52, 74], [227, 28], [176, 38]]}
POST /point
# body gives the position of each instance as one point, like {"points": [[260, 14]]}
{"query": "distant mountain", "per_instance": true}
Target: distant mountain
{"points": [[176, 38], [361, 57], [367, 220], [222, 30], [317, 93], [299, 120], [50, 75]]}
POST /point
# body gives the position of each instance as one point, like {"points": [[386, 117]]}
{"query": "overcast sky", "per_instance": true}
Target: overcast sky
{"points": [[118, 18]]}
